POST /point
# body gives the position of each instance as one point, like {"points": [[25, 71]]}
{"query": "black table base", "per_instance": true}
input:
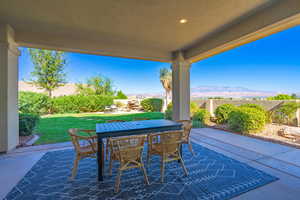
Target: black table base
{"points": [[117, 129]]}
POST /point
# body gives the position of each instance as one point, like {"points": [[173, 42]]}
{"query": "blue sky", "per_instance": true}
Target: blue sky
{"points": [[269, 64]]}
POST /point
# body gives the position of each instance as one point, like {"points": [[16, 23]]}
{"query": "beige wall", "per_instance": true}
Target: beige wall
{"points": [[12, 115], [9, 119], [3, 97], [267, 104], [212, 104]]}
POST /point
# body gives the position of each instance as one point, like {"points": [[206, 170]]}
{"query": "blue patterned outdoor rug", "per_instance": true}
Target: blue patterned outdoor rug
{"points": [[211, 176]]}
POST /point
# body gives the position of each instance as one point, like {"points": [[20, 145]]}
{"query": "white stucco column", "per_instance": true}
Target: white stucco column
{"points": [[181, 88], [9, 118], [298, 114]]}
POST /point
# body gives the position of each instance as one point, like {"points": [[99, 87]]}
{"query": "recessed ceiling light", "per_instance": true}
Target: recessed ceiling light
{"points": [[183, 21]]}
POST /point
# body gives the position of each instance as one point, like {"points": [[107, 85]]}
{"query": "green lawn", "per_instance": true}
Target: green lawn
{"points": [[53, 128]]}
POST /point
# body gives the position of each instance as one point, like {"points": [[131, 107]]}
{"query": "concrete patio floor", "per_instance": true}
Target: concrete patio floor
{"points": [[275, 159]]}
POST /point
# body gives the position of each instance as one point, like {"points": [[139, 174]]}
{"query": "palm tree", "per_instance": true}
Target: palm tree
{"points": [[165, 76]]}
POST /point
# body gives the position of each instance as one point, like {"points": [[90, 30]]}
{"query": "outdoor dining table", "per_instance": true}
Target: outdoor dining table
{"points": [[116, 129]]}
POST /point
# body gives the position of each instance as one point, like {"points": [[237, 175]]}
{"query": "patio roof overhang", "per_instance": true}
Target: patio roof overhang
{"points": [[149, 30], [146, 29]]}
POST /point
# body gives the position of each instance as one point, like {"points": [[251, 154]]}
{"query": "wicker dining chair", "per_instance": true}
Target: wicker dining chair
{"points": [[167, 145], [187, 126], [85, 146], [108, 139], [128, 152]]}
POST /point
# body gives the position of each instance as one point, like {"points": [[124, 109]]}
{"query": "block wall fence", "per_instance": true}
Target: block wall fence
{"points": [[211, 104]]}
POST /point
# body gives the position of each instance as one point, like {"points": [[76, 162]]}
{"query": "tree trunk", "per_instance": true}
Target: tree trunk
{"points": [[50, 93], [50, 96], [165, 101]]}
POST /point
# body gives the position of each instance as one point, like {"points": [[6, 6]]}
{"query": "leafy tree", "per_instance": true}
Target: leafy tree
{"points": [[294, 96], [83, 89], [281, 97], [286, 112], [165, 76], [97, 85], [48, 73], [121, 95]]}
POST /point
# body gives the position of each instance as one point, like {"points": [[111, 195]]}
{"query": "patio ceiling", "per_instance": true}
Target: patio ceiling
{"points": [[146, 29]]}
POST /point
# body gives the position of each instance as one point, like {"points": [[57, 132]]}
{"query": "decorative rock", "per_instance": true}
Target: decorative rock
{"points": [[290, 132]]}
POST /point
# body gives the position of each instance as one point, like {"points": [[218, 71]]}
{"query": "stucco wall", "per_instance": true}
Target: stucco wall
{"points": [[212, 104], [9, 118], [12, 95]]}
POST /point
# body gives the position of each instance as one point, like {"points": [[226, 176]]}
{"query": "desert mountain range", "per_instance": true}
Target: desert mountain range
{"points": [[196, 92]]}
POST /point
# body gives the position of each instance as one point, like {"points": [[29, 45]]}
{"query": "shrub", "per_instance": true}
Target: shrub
{"points": [[258, 107], [121, 95], [246, 120], [169, 112], [80, 103], [282, 97], [222, 113], [194, 107], [27, 123], [120, 104], [152, 104], [201, 115], [286, 112], [252, 105], [35, 103]]}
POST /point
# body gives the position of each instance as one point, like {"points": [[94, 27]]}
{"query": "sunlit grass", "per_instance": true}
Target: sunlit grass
{"points": [[53, 128]]}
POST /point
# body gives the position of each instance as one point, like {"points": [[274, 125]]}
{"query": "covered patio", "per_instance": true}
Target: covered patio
{"points": [[177, 32], [274, 159]]}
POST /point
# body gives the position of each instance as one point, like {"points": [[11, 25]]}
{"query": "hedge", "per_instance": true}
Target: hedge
{"points": [[193, 107], [80, 103], [259, 107], [35, 103], [27, 123], [169, 112], [252, 105], [201, 115], [222, 113], [152, 104], [246, 120]]}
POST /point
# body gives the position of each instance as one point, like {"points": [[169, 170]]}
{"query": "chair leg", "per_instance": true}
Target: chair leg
{"points": [[148, 158], [191, 148], [118, 181], [103, 158], [75, 166], [183, 166], [110, 165], [107, 149], [145, 174], [162, 169]]}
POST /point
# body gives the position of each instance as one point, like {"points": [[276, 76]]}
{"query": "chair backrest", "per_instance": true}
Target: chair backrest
{"points": [[76, 138], [128, 148], [168, 141], [187, 126]]}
